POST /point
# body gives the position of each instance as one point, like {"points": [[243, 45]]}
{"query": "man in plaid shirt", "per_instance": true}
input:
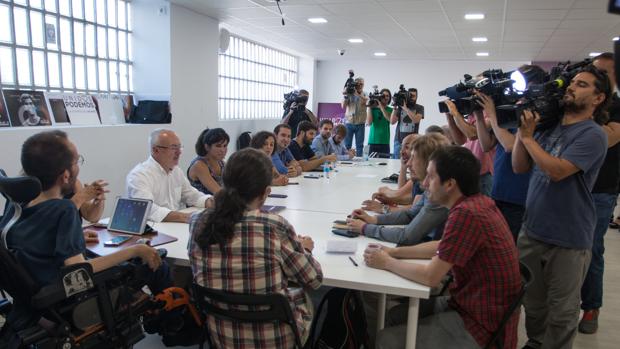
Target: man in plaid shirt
{"points": [[477, 247]]}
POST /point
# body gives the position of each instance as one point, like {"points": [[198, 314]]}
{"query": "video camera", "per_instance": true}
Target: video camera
{"points": [[374, 98], [294, 96], [544, 98], [493, 82], [349, 85], [402, 97]]}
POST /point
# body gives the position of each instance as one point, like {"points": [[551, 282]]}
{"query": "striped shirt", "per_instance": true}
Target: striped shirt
{"points": [[261, 258]]}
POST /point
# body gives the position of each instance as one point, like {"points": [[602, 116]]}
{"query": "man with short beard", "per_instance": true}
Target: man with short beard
{"points": [[301, 150], [557, 232]]}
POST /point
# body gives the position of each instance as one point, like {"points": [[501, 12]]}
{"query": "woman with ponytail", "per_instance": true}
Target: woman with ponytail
{"points": [[205, 171], [235, 247]]}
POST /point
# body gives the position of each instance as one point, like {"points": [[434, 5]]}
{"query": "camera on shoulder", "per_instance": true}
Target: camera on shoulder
{"points": [[297, 98]]}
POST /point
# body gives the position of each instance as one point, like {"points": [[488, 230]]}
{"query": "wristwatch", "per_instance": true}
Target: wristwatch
{"points": [[386, 209]]}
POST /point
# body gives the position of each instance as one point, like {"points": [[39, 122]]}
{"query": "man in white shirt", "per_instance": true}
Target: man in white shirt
{"points": [[161, 180]]}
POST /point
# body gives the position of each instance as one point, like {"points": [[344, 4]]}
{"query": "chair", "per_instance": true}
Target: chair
{"points": [[277, 309], [80, 308], [497, 338]]}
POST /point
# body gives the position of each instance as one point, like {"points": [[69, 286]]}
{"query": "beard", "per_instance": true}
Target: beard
{"points": [[573, 106]]}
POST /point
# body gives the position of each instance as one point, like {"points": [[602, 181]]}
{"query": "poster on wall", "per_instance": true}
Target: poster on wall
{"points": [[110, 108], [332, 111], [27, 108], [81, 109], [57, 106]]}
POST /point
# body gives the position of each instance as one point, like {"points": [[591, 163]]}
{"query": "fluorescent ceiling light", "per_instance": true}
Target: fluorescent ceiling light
{"points": [[474, 16], [380, 54], [616, 38], [317, 20], [356, 41], [594, 54], [479, 39], [482, 54]]}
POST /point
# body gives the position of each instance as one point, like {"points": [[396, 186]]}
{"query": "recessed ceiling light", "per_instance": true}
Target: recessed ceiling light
{"points": [[616, 38], [380, 54], [479, 39], [356, 41], [474, 16], [482, 54], [317, 20], [594, 54]]}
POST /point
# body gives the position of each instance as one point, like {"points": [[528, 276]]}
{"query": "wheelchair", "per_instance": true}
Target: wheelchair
{"points": [[80, 309]]}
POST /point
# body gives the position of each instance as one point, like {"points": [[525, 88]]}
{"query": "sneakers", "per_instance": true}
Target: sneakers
{"points": [[589, 322]]}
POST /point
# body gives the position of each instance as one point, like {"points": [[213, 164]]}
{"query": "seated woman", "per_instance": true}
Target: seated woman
{"points": [[237, 248], [266, 141], [423, 221], [205, 171]]}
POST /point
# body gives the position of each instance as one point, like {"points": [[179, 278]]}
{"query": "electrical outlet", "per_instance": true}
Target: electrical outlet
{"points": [[163, 10]]}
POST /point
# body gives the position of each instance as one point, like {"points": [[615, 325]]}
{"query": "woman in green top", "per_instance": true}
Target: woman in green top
{"points": [[378, 117]]}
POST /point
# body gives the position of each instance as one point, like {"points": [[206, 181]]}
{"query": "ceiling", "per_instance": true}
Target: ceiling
{"points": [[530, 30]]}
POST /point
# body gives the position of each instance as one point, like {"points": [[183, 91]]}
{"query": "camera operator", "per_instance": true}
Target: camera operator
{"points": [[604, 194], [556, 237], [355, 116], [464, 133], [297, 112], [407, 117], [509, 189], [378, 117]]}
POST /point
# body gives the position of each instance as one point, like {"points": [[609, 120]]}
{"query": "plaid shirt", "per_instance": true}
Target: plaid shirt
{"points": [[478, 242], [261, 258]]}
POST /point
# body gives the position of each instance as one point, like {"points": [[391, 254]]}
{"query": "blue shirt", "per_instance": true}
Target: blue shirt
{"points": [[281, 159], [340, 150], [322, 146], [507, 185], [562, 213]]}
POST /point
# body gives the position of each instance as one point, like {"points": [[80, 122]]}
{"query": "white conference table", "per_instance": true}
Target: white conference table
{"points": [[320, 203]]}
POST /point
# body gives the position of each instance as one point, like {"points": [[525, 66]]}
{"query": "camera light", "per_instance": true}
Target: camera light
{"points": [[380, 54], [482, 54], [474, 16], [519, 81], [594, 54], [356, 41], [317, 20], [616, 38], [479, 39]]}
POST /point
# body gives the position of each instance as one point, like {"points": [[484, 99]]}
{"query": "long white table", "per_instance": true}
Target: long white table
{"points": [[312, 206]]}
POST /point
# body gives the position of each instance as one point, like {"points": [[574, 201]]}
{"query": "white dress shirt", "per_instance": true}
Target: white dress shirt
{"points": [[169, 191]]}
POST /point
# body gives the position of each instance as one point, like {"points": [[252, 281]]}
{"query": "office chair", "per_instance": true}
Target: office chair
{"points": [[80, 308], [276, 309]]}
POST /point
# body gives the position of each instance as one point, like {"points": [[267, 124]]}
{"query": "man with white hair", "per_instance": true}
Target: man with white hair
{"points": [[161, 180]]}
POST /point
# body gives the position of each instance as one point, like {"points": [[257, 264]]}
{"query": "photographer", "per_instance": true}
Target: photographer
{"points": [[297, 111], [355, 115], [378, 117], [407, 117], [556, 237]]}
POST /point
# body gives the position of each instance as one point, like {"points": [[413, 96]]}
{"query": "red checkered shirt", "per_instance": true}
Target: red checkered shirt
{"points": [[478, 242], [261, 258]]}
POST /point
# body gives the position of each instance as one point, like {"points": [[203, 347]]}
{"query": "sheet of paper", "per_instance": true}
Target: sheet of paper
{"points": [[365, 175], [341, 246]]}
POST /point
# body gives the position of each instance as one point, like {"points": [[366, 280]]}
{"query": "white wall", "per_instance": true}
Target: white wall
{"points": [[428, 77]]}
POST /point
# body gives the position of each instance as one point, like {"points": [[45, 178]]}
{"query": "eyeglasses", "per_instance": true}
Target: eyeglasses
{"points": [[80, 160], [174, 147]]}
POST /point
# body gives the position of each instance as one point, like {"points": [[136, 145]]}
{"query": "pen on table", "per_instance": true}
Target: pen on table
{"points": [[353, 261]]}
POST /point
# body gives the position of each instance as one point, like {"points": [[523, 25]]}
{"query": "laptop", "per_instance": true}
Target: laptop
{"points": [[129, 215]]}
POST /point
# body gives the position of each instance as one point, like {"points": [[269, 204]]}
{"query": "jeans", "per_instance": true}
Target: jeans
{"points": [[397, 145], [592, 288], [486, 184], [357, 130], [513, 214]]}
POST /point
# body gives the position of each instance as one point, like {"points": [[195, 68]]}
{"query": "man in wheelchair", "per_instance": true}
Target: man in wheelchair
{"points": [[58, 295]]}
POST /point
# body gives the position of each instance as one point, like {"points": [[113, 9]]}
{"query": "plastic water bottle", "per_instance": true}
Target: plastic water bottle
{"points": [[326, 170], [366, 151]]}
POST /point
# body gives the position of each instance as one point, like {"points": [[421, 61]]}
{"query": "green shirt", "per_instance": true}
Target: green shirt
{"points": [[380, 128]]}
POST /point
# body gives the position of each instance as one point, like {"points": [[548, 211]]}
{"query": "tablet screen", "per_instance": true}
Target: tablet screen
{"points": [[129, 215]]}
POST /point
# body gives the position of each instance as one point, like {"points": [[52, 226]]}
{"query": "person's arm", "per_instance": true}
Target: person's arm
{"points": [[278, 164], [612, 129], [385, 111], [148, 255], [401, 195], [486, 138], [201, 171], [501, 135], [368, 116], [395, 115], [90, 199], [402, 174], [458, 136], [288, 114], [190, 196], [313, 119], [298, 263], [520, 158], [295, 165]]}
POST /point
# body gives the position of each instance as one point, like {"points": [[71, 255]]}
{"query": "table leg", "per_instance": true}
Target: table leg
{"points": [[381, 312], [412, 322]]}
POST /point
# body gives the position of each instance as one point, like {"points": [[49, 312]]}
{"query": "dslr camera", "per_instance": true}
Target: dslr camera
{"points": [[294, 96], [374, 98]]}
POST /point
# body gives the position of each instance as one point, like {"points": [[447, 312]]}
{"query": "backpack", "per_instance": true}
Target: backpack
{"points": [[244, 140], [151, 112], [344, 322]]}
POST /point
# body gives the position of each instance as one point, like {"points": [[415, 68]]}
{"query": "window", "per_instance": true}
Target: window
{"points": [[253, 79], [66, 45]]}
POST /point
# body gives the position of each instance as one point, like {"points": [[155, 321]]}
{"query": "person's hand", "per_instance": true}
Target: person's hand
{"points": [[362, 215], [210, 202], [91, 236], [148, 255], [488, 105], [376, 257], [306, 242], [351, 153], [331, 157], [388, 250], [528, 124], [355, 225], [452, 108], [292, 171], [383, 197], [372, 205], [280, 180], [293, 106]]}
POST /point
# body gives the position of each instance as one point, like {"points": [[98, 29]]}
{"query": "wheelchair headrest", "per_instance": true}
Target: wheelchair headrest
{"points": [[20, 189]]}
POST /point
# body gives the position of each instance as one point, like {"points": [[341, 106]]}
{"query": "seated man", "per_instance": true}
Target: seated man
{"points": [[424, 220], [301, 150], [477, 247], [48, 234], [340, 132], [282, 158], [161, 180]]}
